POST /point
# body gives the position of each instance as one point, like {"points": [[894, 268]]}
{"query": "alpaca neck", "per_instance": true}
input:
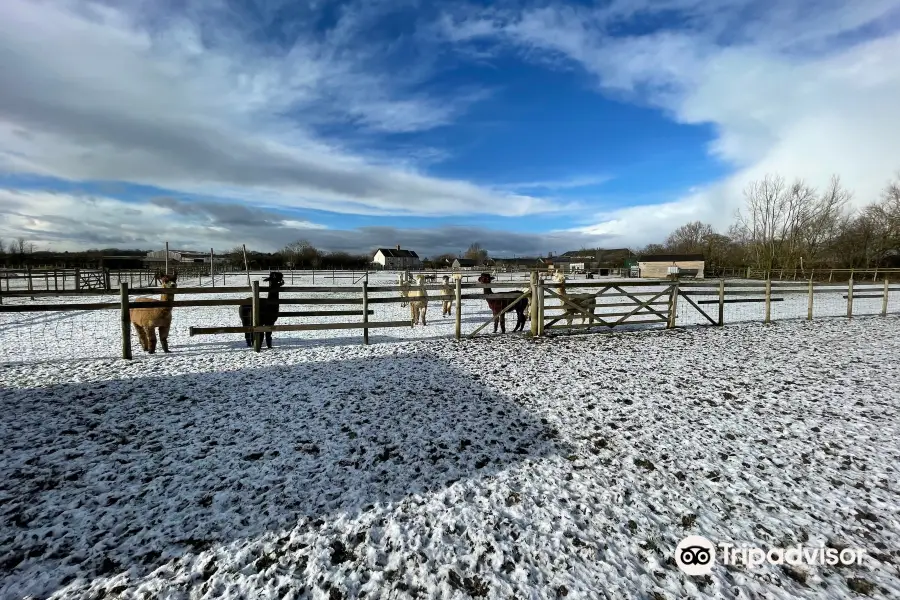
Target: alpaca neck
{"points": [[170, 298], [272, 298]]}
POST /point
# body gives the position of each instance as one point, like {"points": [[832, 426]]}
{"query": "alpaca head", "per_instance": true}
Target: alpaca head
{"points": [[560, 277], [275, 279], [446, 279], [420, 278], [485, 278], [167, 281]]}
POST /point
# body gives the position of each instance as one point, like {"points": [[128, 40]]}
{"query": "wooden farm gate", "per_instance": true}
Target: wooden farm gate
{"points": [[614, 304], [92, 280]]}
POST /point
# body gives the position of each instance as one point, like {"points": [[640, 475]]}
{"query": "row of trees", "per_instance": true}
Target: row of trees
{"points": [[796, 226]]}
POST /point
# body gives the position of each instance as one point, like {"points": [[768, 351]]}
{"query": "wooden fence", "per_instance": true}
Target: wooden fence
{"points": [[655, 305], [829, 275]]}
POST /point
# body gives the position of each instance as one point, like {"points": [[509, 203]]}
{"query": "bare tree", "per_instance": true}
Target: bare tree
{"points": [[691, 238], [652, 249], [477, 253], [19, 246]]}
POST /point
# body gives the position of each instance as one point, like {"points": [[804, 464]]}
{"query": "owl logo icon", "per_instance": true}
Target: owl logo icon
{"points": [[695, 555]]}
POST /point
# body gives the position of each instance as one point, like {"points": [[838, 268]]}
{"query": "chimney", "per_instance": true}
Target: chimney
{"points": [[398, 246]]}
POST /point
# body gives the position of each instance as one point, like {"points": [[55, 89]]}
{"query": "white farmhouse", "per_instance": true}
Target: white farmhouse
{"points": [[397, 258]]}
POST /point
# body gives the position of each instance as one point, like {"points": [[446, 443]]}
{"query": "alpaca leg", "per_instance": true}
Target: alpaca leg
{"points": [[503, 323], [142, 337], [422, 312], [164, 338], [268, 339], [151, 334]]}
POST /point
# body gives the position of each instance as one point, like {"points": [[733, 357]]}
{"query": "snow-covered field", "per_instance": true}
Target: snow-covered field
{"points": [[419, 467], [496, 467]]}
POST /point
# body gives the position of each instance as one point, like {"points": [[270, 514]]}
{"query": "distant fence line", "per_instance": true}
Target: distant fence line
{"points": [[819, 274], [654, 305]]}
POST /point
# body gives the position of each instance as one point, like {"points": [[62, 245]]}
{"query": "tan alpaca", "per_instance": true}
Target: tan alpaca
{"points": [[404, 283], [146, 320], [447, 290], [586, 301], [418, 301]]}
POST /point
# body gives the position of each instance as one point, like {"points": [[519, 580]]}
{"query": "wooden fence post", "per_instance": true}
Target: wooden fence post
{"points": [[768, 301], [673, 306], [126, 321], [850, 297], [247, 266], [107, 280], [77, 279], [539, 300], [721, 302], [257, 337], [365, 308], [809, 301], [30, 284], [884, 299], [212, 267], [534, 307], [458, 308]]}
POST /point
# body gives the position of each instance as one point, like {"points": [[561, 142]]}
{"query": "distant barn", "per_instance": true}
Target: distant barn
{"points": [[464, 263], [656, 266]]}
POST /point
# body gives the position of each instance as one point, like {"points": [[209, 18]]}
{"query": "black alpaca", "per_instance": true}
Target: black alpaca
{"points": [[498, 304], [268, 308]]}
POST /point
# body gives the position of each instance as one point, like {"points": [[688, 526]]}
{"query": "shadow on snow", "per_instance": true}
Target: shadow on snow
{"points": [[152, 468]]}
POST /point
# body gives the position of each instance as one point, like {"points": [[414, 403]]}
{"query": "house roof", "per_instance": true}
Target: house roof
{"points": [[670, 257], [394, 253], [465, 262], [517, 261]]}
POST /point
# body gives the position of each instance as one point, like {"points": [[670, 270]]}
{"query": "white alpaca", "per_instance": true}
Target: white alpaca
{"points": [[418, 308], [404, 284], [447, 290], [586, 301]]}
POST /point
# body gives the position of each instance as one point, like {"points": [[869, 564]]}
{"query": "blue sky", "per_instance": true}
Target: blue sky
{"points": [[524, 126]]}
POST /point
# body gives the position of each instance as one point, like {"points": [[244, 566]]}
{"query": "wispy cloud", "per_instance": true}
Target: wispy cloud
{"points": [[168, 101], [806, 89], [56, 220], [569, 183]]}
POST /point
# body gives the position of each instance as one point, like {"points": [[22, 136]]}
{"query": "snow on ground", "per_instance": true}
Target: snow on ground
{"points": [[498, 467]]}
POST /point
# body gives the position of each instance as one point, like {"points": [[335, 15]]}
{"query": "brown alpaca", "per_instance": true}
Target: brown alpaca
{"points": [[146, 320]]}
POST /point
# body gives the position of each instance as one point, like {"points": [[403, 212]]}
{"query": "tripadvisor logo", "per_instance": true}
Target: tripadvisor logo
{"points": [[696, 555]]}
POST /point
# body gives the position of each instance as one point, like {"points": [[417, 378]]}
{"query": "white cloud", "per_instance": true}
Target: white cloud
{"points": [[797, 91], [57, 221], [138, 97]]}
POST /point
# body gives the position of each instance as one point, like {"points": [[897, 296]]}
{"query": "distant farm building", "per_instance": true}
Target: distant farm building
{"points": [[158, 257], [557, 263], [464, 263], [657, 266], [397, 258]]}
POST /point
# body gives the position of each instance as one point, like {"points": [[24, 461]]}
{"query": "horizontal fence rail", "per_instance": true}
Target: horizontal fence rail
{"points": [[619, 302]]}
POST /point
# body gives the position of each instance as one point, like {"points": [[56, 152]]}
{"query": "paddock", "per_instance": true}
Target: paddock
{"points": [[85, 325]]}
